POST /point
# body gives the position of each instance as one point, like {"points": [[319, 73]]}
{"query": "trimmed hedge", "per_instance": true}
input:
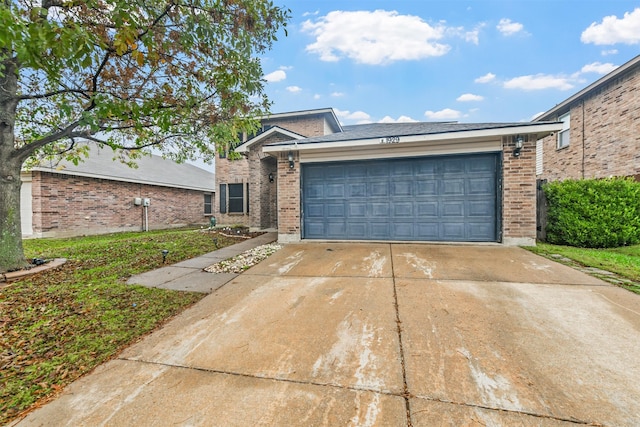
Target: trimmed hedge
{"points": [[593, 213]]}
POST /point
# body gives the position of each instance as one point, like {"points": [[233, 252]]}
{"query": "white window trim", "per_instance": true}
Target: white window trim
{"points": [[564, 136]]}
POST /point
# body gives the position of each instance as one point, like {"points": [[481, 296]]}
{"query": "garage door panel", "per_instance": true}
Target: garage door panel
{"points": [[445, 198], [480, 186], [379, 189], [452, 187], [357, 190], [379, 230], [315, 210], [379, 209], [427, 209], [401, 188], [483, 208], [403, 209], [335, 190], [453, 209], [357, 230], [403, 230], [358, 210], [426, 187], [335, 210], [336, 229]]}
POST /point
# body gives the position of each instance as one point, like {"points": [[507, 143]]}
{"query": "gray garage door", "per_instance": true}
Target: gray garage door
{"points": [[443, 198]]}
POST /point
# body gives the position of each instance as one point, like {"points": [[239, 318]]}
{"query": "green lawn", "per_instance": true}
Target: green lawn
{"points": [[624, 261], [58, 325]]}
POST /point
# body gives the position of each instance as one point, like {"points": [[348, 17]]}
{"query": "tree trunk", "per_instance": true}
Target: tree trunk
{"points": [[11, 253]]}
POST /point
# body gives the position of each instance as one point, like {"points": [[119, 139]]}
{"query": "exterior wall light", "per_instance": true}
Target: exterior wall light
{"points": [[271, 178], [290, 160], [519, 142]]}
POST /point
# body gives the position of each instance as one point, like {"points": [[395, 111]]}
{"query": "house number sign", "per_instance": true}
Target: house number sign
{"points": [[390, 140]]}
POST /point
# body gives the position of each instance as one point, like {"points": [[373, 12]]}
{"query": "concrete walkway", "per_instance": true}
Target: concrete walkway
{"points": [[189, 275], [337, 334]]}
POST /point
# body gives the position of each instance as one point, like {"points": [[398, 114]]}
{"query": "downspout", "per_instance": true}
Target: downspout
{"points": [[583, 142]]}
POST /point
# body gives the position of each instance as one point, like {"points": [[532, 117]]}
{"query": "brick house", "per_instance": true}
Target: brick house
{"points": [[101, 195], [311, 178], [601, 130]]}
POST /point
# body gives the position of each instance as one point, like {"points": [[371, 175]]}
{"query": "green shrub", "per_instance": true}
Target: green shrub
{"points": [[593, 213]]}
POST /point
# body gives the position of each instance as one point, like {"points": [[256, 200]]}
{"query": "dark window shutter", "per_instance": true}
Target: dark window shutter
{"points": [[223, 198], [247, 196]]}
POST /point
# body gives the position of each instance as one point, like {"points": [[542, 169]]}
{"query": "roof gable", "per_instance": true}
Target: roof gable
{"points": [[245, 146]]}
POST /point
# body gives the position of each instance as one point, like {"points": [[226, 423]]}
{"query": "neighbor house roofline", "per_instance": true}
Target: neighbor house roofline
{"points": [[540, 129], [329, 113], [244, 147], [151, 170], [566, 104]]}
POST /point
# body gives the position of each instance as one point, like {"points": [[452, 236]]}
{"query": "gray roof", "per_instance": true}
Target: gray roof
{"points": [[381, 130], [151, 170]]}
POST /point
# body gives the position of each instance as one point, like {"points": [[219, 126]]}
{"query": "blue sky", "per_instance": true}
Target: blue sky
{"points": [[461, 60]]}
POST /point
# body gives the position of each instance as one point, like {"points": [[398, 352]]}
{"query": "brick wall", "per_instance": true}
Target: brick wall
{"points": [[288, 199], [67, 205], [519, 193], [605, 135], [308, 126], [231, 172]]}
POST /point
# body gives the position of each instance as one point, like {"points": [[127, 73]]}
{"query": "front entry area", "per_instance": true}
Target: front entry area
{"points": [[451, 198]]}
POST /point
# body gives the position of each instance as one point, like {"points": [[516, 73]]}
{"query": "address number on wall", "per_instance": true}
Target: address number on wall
{"points": [[390, 140]]}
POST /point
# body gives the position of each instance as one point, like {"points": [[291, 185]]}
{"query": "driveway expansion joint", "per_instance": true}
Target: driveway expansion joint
{"points": [[510, 411], [406, 394], [265, 377]]}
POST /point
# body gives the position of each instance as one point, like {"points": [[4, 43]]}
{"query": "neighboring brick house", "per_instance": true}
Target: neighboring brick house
{"points": [[312, 178], [101, 195], [601, 130]]}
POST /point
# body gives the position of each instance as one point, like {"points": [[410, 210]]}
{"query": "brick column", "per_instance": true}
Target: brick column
{"points": [[288, 199], [519, 193]]}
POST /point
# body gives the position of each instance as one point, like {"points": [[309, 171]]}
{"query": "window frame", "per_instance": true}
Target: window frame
{"points": [[208, 205], [564, 135], [236, 202]]}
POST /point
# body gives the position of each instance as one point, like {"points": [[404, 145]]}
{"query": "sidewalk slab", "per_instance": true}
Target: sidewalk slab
{"points": [[188, 275]]}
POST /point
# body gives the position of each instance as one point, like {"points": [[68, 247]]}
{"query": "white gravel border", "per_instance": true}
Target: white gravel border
{"points": [[245, 260]]}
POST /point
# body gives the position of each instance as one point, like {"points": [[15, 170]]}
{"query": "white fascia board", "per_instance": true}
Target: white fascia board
{"points": [[244, 148], [539, 129], [122, 179]]}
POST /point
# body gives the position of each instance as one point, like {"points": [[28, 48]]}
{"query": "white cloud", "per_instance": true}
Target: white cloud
{"points": [[317, 96], [446, 114], [535, 116], [508, 28], [489, 77], [471, 36], [539, 82], [613, 30], [609, 52], [337, 94], [468, 97], [401, 119], [598, 68], [275, 76], [294, 89], [374, 37], [360, 116]]}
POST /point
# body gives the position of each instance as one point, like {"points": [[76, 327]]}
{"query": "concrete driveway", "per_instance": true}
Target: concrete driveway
{"points": [[337, 334]]}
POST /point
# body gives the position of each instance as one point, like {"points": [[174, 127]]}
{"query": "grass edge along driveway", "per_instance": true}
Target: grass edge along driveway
{"points": [[58, 325], [620, 266]]}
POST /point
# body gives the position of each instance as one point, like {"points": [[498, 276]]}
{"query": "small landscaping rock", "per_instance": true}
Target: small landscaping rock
{"points": [[245, 260]]}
